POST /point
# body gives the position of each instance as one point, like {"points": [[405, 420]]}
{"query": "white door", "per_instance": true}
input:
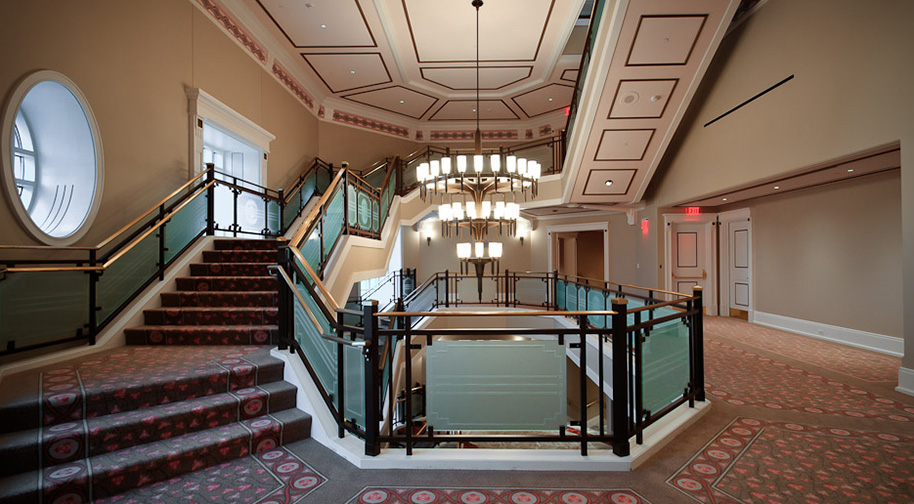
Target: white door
{"points": [[689, 264], [739, 278]]}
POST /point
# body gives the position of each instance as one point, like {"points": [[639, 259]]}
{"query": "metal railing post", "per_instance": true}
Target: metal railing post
{"points": [[582, 325], [93, 297], [621, 378], [211, 199], [372, 379], [699, 344], [285, 300], [161, 237], [282, 209], [341, 381]]}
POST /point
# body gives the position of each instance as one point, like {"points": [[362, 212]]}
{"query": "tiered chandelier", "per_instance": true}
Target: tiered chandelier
{"points": [[478, 198]]}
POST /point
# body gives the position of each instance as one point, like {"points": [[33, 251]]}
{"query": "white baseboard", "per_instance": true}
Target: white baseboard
{"points": [[905, 381], [851, 337]]}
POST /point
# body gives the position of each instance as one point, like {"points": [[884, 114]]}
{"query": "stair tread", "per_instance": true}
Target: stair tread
{"points": [[129, 468], [140, 376], [19, 451]]}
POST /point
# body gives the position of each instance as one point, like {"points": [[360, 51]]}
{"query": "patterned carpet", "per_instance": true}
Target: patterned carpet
{"points": [[272, 477], [760, 461], [743, 378], [868, 366], [400, 495]]}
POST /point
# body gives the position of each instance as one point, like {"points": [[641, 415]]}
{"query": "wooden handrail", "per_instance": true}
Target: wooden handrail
{"points": [[317, 279], [316, 211], [540, 313], [303, 175], [125, 249]]}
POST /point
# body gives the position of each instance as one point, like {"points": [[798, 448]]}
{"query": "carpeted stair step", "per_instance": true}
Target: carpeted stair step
{"points": [[72, 441], [235, 244], [220, 299], [239, 256], [203, 335], [117, 472], [136, 378], [227, 283], [212, 316], [230, 269]]}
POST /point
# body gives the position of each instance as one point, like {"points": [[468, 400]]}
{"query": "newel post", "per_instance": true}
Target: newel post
{"points": [[698, 343], [621, 377], [372, 379]]}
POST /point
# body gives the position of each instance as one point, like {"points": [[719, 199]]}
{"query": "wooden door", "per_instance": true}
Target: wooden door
{"points": [[689, 256]]}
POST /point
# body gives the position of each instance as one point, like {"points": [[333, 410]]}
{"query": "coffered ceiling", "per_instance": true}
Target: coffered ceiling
{"points": [[408, 68], [416, 59]]}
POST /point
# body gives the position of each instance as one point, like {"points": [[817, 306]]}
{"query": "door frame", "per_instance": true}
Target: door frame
{"points": [[723, 221], [709, 296], [204, 107], [584, 226]]}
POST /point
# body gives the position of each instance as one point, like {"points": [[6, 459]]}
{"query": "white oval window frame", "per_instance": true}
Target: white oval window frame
{"points": [[9, 183]]}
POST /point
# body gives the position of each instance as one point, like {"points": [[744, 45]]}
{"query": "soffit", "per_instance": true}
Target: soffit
{"points": [[652, 70]]}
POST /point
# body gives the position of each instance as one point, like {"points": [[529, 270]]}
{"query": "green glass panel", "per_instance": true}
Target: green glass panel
{"points": [[582, 298], [376, 178], [385, 207], [126, 276], [596, 302], [353, 211], [322, 180], [354, 381], [273, 226], [496, 385], [665, 365], [184, 227], [530, 291], [375, 216], [321, 354], [311, 250], [364, 213], [333, 222], [290, 211], [571, 297], [43, 306], [560, 294]]}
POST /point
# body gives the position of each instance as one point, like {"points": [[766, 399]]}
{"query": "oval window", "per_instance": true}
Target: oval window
{"points": [[52, 164]]}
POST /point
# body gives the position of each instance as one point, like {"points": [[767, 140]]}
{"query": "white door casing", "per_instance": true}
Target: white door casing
{"points": [[736, 262], [690, 256]]}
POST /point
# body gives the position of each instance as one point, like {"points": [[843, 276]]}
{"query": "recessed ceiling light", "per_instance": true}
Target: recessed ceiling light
{"points": [[850, 170], [656, 98], [352, 71], [725, 199], [608, 183], [777, 187], [474, 110], [323, 26], [402, 101], [550, 99]]}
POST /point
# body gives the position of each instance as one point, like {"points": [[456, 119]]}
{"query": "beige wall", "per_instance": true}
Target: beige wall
{"points": [[133, 61], [851, 92], [832, 254], [359, 147]]}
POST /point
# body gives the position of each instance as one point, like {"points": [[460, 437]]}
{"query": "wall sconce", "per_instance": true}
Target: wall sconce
{"points": [[427, 228], [523, 229]]}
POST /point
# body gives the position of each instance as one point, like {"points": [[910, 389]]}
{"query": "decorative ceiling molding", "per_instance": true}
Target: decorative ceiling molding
{"points": [[370, 124], [346, 19], [467, 135], [219, 15], [292, 85]]}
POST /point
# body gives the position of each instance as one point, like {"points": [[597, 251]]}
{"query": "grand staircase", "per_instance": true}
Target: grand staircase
{"points": [[195, 390]]}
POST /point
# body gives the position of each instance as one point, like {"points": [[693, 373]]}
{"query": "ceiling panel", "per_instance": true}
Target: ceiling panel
{"points": [[346, 72], [569, 75], [545, 99], [642, 99], [665, 40], [459, 110], [320, 23], [441, 33], [396, 99], [464, 78], [554, 210], [623, 145], [608, 182]]}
